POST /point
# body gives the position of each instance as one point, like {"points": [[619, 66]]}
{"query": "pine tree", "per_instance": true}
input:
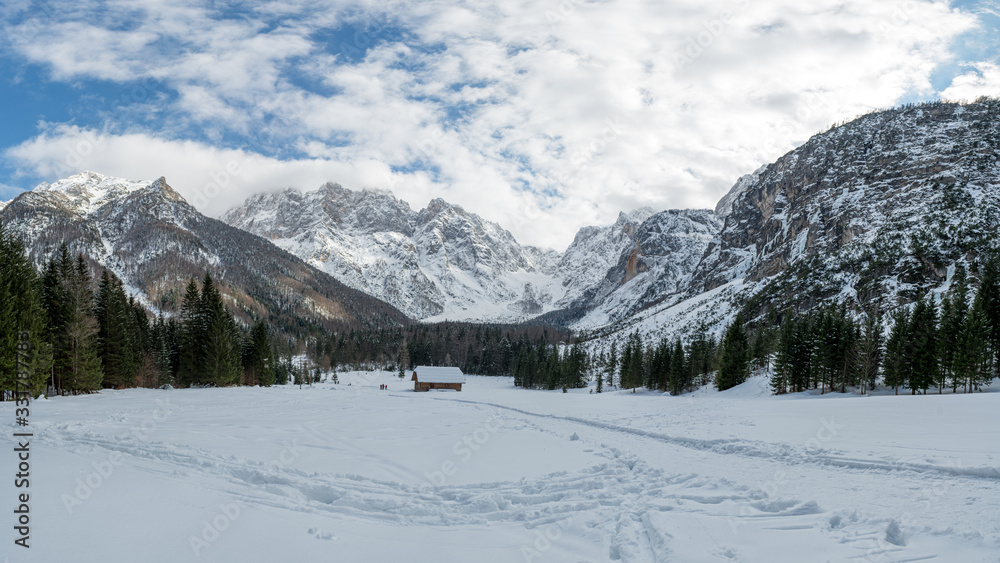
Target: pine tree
{"points": [[954, 315], [191, 338], [114, 341], [762, 348], [924, 345], [989, 295], [784, 360], [632, 368], [257, 360], [870, 351], [897, 353], [82, 364], [404, 358], [221, 351], [680, 375], [21, 312], [612, 365], [600, 382], [734, 363], [974, 359], [160, 347]]}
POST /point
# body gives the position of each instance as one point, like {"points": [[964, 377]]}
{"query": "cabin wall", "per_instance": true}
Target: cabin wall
{"points": [[422, 386]]}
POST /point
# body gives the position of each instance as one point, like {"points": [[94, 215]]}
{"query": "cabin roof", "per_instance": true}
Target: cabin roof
{"points": [[435, 374]]}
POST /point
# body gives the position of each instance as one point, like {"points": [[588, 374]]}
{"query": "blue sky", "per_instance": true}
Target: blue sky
{"points": [[559, 113]]}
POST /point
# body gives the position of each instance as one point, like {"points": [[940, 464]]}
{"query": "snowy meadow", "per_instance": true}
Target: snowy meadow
{"points": [[350, 472]]}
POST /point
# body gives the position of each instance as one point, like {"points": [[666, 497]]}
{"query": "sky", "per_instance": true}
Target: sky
{"points": [[543, 116]]}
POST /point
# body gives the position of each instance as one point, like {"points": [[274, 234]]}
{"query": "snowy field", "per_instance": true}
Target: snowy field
{"points": [[350, 473]]}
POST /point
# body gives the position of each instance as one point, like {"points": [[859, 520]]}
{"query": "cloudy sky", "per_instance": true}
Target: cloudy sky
{"points": [[542, 115]]}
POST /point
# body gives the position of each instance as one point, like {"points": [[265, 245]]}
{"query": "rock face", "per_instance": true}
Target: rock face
{"points": [[654, 268], [443, 262], [149, 236], [725, 205], [876, 207], [440, 261]]}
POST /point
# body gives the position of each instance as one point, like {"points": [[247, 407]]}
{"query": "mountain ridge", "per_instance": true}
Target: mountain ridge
{"points": [[151, 238]]}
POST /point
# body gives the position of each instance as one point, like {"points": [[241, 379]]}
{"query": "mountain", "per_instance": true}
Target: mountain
{"points": [[725, 205], [653, 262], [440, 262], [149, 236], [878, 207], [867, 214], [443, 262]]}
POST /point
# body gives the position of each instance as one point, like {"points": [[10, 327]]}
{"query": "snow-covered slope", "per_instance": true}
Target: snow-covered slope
{"points": [[654, 267], [866, 214], [440, 262], [585, 263], [869, 210], [445, 263], [149, 236]]}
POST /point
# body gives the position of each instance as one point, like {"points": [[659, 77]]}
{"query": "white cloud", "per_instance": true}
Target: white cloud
{"points": [[213, 179], [569, 110], [983, 80]]}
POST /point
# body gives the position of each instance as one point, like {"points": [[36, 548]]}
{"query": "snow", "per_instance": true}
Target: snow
{"points": [[88, 191], [437, 374], [350, 473]]}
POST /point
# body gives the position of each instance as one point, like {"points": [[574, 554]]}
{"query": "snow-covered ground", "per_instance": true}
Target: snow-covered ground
{"points": [[351, 473]]}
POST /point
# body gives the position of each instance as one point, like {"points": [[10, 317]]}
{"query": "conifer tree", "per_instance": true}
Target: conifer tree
{"points": [[404, 358], [784, 360], [734, 363], [974, 359], [897, 351], [924, 345], [989, 295], [257, 360], [21, 312], [870, 352], [680, 375], [191, 338], [954, 315], [632, 368], [160, 349], [82, 364], [114, 342], [612, 365], [221, 350]]}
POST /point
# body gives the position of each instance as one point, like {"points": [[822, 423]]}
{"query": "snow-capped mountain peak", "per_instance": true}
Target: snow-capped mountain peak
{"points": [[88, 191], [444, 262]]}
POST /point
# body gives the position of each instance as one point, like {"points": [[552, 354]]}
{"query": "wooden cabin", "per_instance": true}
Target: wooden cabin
{"points": [[426, 378]]}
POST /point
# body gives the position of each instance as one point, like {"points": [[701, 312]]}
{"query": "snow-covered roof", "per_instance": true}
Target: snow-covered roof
{"points": [[434, 374]]}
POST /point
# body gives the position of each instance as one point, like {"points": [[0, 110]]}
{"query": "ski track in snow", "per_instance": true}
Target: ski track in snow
{"points": [[777, 452], [625, 497], [637, 510]]}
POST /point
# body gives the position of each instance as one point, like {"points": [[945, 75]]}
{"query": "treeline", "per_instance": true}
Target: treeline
{"points": [[82, 339], [952, 345], [543, 366], [483, 349], [666, 365]]}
